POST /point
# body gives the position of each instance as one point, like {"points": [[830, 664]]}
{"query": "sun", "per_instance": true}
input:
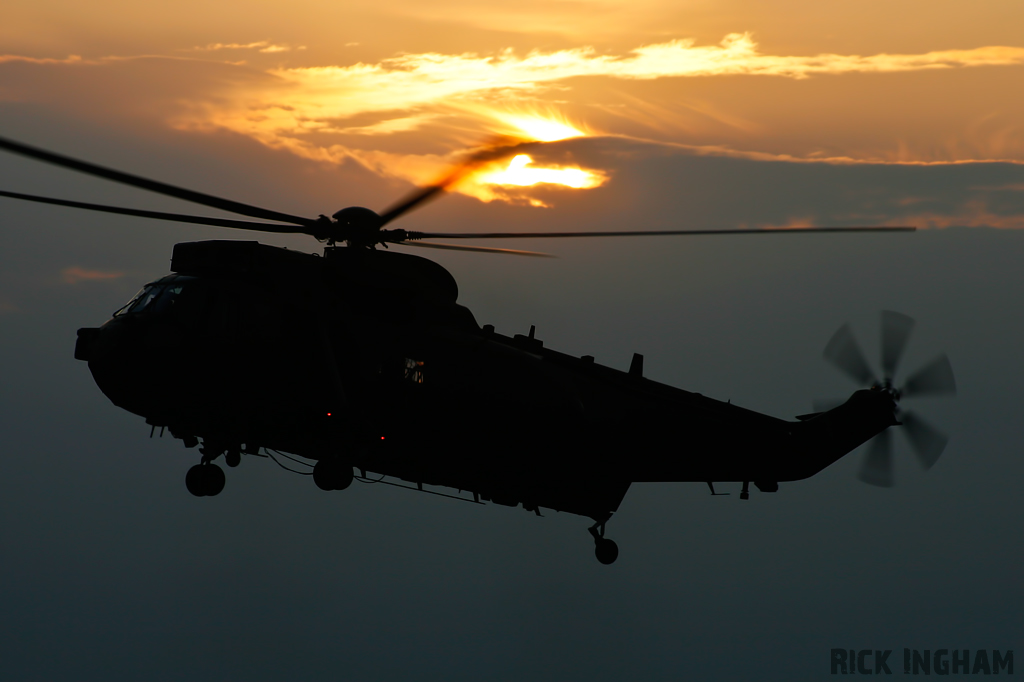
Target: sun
{"points": [[521, 173]]}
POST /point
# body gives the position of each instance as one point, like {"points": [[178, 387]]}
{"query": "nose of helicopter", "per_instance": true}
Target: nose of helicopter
{"points": [[111, 352], [86, 339]]}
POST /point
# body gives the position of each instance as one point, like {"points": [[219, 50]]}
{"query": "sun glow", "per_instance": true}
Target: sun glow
{"points": [[366, 111], [539, 127], [519, 173]]}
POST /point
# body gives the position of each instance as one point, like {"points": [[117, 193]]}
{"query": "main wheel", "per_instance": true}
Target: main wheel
{"points": [[343, 477], [213, 479], [322, 475], [194, 481], [332, 475], [606, 551]]}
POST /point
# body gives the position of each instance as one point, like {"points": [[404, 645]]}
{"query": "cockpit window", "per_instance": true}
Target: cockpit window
{"points": [[166, 299], [180, 298], [141, 300], [126, 306]]}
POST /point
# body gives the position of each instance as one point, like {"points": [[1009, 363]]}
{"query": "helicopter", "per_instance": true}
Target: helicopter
{"points": [[360, 364]]}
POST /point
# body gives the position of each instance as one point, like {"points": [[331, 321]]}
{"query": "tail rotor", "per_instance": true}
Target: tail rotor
{"points": [[933, 379]]}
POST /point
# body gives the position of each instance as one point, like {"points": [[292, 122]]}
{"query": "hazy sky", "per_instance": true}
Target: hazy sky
{"points": [[664, 115]]}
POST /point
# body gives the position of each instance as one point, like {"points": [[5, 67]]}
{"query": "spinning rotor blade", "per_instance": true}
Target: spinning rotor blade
{"points": [[425, 194], [650, 233], [927, 441], [481, 249], [877, 466], [844, 352], [413, 200], [362, 228], [159, 215], [935, 378], [151, 185], [896, 328]]}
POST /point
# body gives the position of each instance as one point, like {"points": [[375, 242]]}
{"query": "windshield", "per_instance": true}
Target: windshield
{"points": [[141, 300], [174, 296]]}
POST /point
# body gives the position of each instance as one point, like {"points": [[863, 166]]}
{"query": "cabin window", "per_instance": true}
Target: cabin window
{"points": [[414, 370]]}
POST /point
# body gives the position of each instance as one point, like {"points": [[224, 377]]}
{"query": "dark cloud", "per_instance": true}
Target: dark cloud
{"points": [[703, 187]]}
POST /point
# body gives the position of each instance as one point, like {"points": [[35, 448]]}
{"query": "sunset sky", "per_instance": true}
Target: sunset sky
{"points": [[641, 115], [402, 91]]}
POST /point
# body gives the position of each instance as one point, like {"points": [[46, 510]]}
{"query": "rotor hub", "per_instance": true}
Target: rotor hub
{"points": [[887, 386], [357, 226]]}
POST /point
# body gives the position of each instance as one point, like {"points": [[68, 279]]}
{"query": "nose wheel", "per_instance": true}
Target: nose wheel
{"points": [[205, 480], [605, 549]]}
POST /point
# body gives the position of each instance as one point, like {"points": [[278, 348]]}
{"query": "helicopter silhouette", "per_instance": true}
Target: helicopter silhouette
{"points": [[360, 364]]}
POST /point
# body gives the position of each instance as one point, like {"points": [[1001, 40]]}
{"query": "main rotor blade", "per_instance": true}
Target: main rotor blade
{"points": [[935, 378], [415, 199], [877, 466], [481, 249], [928, 442], [159, 215], [844, 352], [425, 194], [896, 328], [650, 233], [150, 185]]}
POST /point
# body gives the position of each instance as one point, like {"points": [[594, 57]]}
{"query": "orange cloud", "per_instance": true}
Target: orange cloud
{"points": [[72, 59], [418, 79], [75, 274], [435, 103], [966, 212], [328, 113], [972, 214], [261, 46], [467, 81]]}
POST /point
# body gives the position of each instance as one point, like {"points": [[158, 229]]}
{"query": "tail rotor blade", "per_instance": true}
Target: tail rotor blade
{"points": [[928, 442], [877, 467], [844, 352], [935, 378], [896, 329]]}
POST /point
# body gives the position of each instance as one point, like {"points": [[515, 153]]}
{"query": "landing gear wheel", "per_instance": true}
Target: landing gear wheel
{"points": [[232, 458], [214, 479], [606, 551], [205, 480], [194, 481], [332, 475], [344, 478]]}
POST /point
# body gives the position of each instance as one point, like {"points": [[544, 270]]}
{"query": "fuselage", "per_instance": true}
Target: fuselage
{"points": [[367, 357]]}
